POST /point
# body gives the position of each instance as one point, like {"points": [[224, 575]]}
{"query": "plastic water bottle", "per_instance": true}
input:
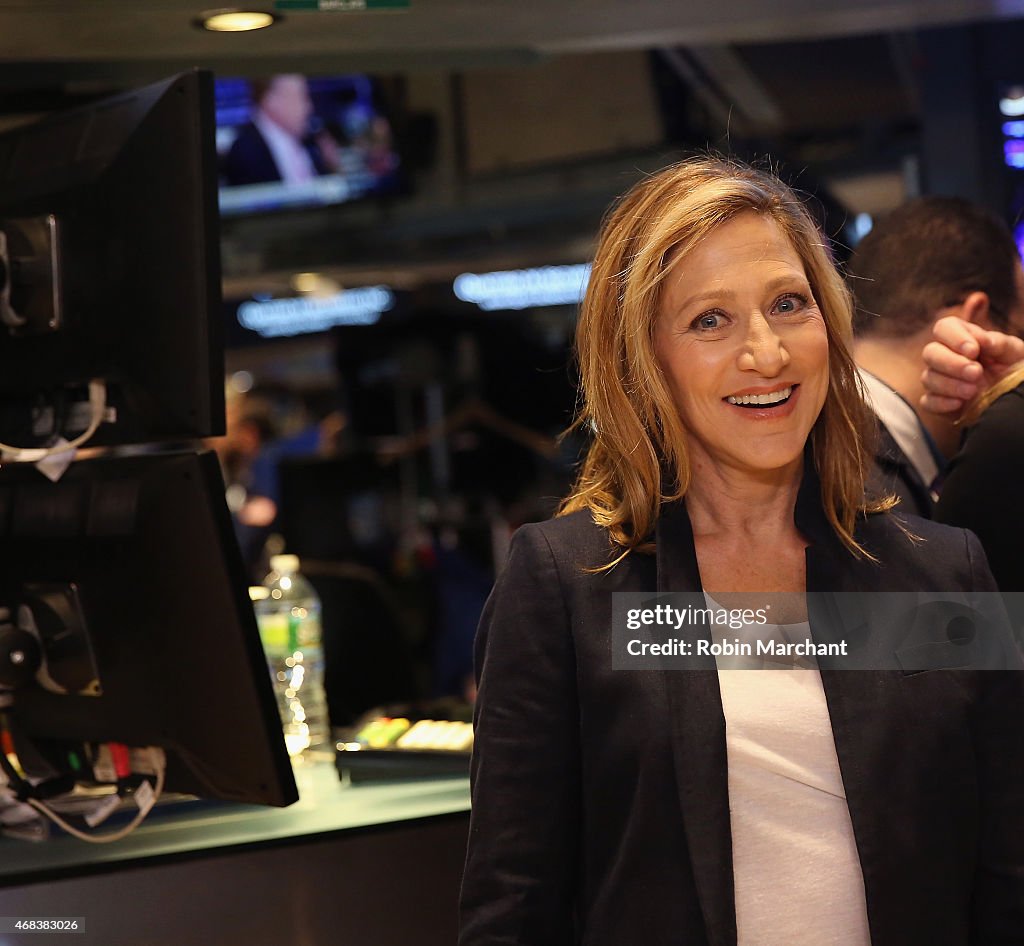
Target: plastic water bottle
{"points": [[288, 614]]}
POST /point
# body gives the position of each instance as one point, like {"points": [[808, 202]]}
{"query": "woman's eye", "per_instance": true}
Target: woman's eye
{"points": [[707, 322], [788, 304]]}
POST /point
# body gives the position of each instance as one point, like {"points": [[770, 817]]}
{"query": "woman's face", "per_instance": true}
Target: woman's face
{"points": [[744, 349]]}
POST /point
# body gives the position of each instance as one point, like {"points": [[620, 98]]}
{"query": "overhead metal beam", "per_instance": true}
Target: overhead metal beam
{"points": [[738, 85]]}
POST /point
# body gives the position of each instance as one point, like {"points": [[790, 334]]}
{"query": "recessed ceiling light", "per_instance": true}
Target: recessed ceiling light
{"points": [[315, 284], [235, 21]]}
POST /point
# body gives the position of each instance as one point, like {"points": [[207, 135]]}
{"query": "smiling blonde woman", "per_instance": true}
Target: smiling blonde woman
{"points": [[709, 805]]}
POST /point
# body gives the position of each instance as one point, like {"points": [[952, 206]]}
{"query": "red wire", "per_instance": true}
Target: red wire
{"points": [[121, 759]]}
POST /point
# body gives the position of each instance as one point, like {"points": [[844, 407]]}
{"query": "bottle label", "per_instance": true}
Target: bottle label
{"points": [[274, 632]]}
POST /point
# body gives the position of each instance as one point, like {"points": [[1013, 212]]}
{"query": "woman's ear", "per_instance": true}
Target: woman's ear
{"points": [[977, 309]]}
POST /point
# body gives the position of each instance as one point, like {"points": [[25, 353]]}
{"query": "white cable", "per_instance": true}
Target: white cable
{"points": [[159, 763], [97, 410]]}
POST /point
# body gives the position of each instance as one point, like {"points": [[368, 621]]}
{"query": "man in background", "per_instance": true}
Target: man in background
{"points": [[250, 474], [932, 258]]}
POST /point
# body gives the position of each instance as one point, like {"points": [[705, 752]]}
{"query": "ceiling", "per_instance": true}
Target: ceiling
{"points": [[85, 40], [832, 102]]}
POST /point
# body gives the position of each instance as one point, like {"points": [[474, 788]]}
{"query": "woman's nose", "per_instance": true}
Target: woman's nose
{"points": [[763, 350]]}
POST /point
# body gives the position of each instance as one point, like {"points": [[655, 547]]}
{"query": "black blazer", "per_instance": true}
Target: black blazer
{"points": [[250, 160], [982, 489], [600, 796]]}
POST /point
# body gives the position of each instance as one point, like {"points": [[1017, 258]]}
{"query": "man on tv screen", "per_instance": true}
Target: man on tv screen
{"points": [[276, 144]]}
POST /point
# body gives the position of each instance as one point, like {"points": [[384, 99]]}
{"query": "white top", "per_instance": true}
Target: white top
{"points": [[293, 161], [797, 875]]}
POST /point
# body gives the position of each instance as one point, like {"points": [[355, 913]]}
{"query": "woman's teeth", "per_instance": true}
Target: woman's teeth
{"points": [[776, 397]]}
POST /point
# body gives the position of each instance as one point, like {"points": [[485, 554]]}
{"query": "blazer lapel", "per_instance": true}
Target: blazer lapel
{"points": [[698, 730], [852, 697]]}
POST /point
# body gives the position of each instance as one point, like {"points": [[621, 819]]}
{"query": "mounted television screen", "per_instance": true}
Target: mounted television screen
{"points": [[290, 141]]}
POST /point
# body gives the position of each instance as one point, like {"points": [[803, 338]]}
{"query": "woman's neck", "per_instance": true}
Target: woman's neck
{"points": [[740, 505], [745, 537]]}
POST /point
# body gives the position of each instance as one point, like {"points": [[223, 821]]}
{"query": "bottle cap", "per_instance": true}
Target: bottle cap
{"points": [[284, 564]]}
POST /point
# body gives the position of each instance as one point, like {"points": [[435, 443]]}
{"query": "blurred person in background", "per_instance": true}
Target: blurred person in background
{"points": [[976, 378], [931, 258], [249, 470]]}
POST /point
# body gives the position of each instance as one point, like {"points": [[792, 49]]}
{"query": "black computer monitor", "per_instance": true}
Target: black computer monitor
{"points": [[109, 269], [129, 571]]}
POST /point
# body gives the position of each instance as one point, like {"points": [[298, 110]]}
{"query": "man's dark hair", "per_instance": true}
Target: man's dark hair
{"points": [[928, 254], [259, 87], [258, 413]]}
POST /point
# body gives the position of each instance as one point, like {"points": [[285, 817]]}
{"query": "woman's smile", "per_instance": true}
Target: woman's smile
{"points": [[771, 403]]}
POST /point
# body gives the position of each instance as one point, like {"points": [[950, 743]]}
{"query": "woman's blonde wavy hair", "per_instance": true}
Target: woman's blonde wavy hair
{"points": [[638, 456]]}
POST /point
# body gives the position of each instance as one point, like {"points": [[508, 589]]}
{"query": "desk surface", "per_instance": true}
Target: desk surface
{"points": [[325, 806]]}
